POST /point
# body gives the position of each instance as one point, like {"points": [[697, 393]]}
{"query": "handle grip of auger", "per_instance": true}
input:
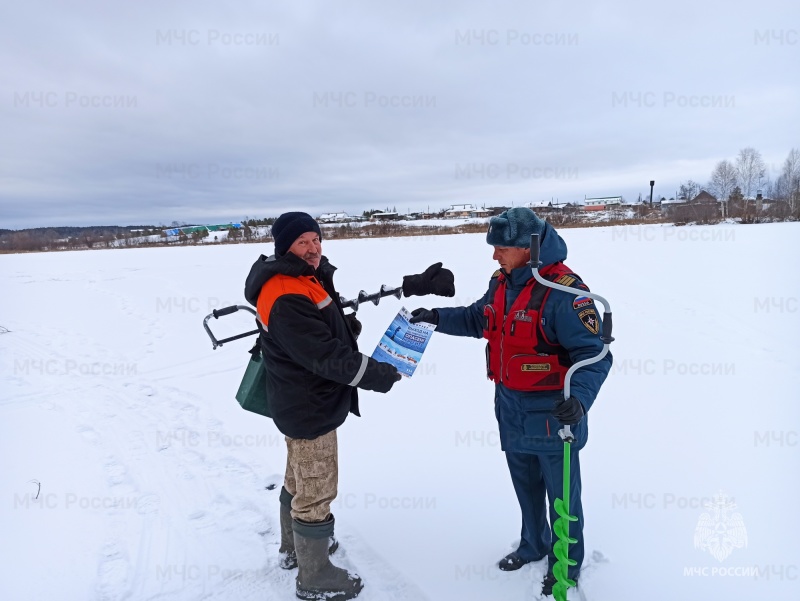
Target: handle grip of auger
{"points": [[566, 434], [535, 250], [607, 338], [217, 313]]}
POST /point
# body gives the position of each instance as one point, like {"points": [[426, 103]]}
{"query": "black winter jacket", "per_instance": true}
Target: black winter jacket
{"points": [[311, 356]]}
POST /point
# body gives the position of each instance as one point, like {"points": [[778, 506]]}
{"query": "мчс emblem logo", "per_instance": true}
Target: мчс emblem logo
{"points": [[720, 530], [590, 320]]}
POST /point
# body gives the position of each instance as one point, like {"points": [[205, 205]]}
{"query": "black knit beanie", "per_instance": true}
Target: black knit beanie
{"points": [[289, 227]]}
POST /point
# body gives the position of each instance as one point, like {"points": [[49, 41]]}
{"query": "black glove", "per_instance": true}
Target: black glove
{"points": [[379, 376], [354, 324], [426, 315], [568, 412], [388, 376], [433, 280]]}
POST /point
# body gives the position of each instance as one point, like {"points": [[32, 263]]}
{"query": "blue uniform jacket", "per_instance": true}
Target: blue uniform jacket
{"points": [[525, 420]]}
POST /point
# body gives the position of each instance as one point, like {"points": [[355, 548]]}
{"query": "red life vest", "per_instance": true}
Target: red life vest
{"points": [[518, 353]]}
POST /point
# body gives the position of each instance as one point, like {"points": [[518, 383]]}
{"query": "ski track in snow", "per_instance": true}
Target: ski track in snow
{"points": [[199, 497], [130, 426]]}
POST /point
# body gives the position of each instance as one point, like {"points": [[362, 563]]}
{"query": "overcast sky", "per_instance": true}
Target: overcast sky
{"points": [[147, 112]]}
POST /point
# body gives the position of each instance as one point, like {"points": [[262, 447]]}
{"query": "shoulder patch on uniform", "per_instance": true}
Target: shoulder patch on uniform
{"points": [[580, 302], [589, 319], [566, 280]]}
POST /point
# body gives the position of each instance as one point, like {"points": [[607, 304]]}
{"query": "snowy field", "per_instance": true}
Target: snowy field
{"points": [[153, 484]]}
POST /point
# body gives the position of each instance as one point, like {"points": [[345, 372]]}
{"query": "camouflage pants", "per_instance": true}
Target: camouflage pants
{"points": [[312, 476]]}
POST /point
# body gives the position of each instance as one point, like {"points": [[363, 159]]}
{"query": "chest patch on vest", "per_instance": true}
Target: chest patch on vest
{"points": [[589, 319], [535, 367], [521, 315]]}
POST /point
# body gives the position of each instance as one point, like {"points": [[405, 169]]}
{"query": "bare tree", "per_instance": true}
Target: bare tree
{"points": [[723, 181], [788, 185], [689, 190], [750, 168]]}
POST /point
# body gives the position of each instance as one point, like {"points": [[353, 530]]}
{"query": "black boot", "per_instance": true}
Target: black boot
{"points": [[288, 557], [512, 562], [287, 553], [549, 581], [317, 577]]}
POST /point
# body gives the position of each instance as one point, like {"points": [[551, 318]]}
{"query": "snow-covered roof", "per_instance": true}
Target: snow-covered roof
{"points": [[603, 200], [461, 208]]}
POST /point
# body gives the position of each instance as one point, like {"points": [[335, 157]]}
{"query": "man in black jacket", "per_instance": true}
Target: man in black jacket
{"points": [[313, 370]]}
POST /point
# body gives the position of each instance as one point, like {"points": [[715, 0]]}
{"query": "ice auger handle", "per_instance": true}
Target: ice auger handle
{"points": [[217, 313], [535, 251], [375, 298], [607, 338]]}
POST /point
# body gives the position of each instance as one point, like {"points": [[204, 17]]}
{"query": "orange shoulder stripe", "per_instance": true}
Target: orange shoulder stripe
{"points": [[279, 285]]}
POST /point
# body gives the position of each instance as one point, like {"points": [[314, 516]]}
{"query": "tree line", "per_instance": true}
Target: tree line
{"points": [[737, 183]]}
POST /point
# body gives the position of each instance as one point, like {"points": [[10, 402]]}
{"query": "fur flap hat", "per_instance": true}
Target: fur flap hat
{"points": [[514, 227]]}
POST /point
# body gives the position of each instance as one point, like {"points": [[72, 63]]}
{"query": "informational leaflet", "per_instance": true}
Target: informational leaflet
{"points": [[403, 343]]}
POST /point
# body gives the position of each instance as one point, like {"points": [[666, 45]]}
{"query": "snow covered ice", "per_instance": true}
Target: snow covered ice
{"points": [[130, 472]]}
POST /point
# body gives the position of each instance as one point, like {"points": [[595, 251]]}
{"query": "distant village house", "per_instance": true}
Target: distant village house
{"points": [[702, 208], [334, 218], [601, 203], [391, 216], [192, 229], [460, 210]]}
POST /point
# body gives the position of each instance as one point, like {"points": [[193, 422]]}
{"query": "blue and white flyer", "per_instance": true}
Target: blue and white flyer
{"points": [[403, 343]]}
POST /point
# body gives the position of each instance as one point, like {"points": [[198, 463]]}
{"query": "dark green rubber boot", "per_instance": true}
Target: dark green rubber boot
{"points": [[317, 577], [288, 556]]}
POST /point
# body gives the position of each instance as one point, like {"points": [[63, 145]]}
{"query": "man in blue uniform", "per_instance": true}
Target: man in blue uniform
{"points": [[534, 334]]}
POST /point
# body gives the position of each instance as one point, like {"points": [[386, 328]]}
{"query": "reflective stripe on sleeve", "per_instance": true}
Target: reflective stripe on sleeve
{"points": [[324, 302], [361, 370]]}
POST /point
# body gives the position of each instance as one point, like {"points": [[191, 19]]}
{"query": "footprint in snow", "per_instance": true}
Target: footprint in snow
{"points": [[89, 434], [113, 572], [202, 520], [148, 504], [116, 473]]}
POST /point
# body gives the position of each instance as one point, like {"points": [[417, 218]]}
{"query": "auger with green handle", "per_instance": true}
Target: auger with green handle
{"points": [[562, 505]]}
